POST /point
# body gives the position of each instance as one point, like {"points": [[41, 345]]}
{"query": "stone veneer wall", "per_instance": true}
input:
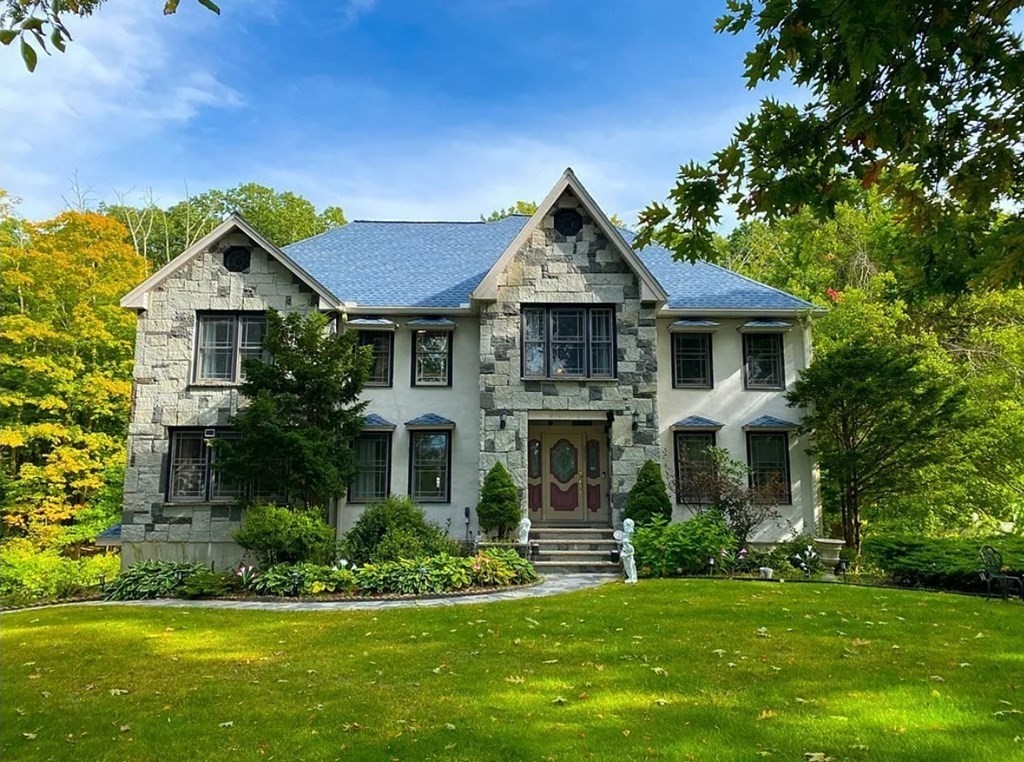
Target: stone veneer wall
{"points": [[586, 268], [165, 397]]}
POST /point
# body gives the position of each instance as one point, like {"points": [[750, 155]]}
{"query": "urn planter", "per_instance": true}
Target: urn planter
{"points": [[829, 550]]}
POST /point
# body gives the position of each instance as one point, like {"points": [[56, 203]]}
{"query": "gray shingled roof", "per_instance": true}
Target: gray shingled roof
{"points": [[696, 422], [430, 419], [438, 264], [770, 422]]}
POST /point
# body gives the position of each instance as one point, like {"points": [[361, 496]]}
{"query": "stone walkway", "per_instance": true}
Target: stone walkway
{"points": [[552, 585]]}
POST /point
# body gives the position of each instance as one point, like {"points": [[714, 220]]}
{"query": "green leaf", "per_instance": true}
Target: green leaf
{"points": [[7, 36], [28, 55], [210, 5]]}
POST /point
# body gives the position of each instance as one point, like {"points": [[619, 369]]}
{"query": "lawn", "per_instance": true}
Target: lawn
{"points": [[670, 670]]}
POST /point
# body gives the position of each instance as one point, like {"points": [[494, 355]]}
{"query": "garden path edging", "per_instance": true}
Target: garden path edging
{"points": [[551, 585]]}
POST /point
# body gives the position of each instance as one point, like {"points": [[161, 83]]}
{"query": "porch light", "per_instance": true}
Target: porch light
{"points": [[636, 420]]}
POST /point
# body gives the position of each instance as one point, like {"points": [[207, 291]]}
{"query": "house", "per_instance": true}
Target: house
{"points": [[544, 342]]}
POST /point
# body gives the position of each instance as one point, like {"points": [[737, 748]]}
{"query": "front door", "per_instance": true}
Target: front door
{"points": [[568, 475]]}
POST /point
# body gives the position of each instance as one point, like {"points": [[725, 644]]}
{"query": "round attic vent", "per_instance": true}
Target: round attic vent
{"points": [[568, 222], [236, 259]]}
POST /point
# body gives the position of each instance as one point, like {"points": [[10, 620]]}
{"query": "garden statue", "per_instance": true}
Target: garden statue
{"points": [[523, 532], [628, 564]]}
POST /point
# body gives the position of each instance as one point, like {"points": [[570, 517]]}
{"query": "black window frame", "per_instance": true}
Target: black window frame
{"points": [[678, 435], [209, 469], [446, 499], [368, 338], [417, 332], [237, 377], [787, 473], [707, 359], [780, 357], [389, 443], [588, 341]]}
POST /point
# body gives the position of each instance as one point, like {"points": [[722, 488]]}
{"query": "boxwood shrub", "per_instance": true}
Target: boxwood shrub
{"points": [[946, 563]]}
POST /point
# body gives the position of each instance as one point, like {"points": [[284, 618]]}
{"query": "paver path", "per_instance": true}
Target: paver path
{"points": [[553, 585]]}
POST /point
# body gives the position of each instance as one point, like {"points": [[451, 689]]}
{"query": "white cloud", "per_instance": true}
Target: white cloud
{"points": [[128, 76]]}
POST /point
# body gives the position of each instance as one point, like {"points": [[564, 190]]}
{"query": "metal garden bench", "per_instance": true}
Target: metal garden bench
{"points": [[992, 563]]}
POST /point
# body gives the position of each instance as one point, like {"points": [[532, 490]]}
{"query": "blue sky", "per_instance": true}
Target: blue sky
{"points": [[391, 109]]}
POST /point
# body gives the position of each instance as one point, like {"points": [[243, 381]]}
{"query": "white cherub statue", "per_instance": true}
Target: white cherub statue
{"points": [[628, 564], [523, 532]]}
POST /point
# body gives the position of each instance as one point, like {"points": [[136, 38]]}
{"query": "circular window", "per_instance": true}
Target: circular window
{"points": [[568, 222], [236, 259]]}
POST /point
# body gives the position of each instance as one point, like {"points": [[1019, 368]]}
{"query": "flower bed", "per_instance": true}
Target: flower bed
{"points": [[434, 575]]}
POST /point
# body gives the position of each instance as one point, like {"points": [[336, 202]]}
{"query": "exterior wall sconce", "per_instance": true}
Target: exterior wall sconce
{"points": [[636, 420], [501, 420]]}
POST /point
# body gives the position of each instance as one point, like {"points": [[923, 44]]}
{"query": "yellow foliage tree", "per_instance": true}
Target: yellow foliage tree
{"points": [[66, 351]]}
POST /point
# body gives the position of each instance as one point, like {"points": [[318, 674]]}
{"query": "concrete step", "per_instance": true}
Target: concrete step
{"points": [[555, 533], [577, 567], [568, 543], [596, 556]]}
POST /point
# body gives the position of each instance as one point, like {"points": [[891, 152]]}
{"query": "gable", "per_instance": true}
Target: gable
{"points": [[569, 193], [225, 235]]}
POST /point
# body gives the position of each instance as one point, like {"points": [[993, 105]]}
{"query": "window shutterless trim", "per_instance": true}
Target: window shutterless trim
{"points": [[588, 345], [173, 435], [450, 333], [237, 315], [780, 347], [365, 340], [787, 473], [447, 433], [709, 365], [677, 437], [387, 475]]}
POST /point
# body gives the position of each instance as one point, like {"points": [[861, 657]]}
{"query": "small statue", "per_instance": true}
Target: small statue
{"points": [[523, 532], [628, 564]]}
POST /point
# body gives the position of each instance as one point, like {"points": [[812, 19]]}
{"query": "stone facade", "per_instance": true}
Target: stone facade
{"points": [[166, 397], [551, 268]]}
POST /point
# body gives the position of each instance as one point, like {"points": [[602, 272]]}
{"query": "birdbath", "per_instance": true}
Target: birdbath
{"points": [[828, 549]]}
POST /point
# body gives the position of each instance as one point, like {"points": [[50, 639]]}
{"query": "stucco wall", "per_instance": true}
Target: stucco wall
{"points": [[459, 403], [165, 397], [584, 269], [729, 404]]}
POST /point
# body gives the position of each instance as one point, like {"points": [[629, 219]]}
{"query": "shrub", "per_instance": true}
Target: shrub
{"points": [[499, 509], [444, 573], [400, 515], [208, 584], [664, 549], [150, 579], [649, 497], [948, 563], [283, 535], [28, 574], [302, 579]]}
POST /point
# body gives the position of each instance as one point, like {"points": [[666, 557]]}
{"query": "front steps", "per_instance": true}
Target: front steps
{"points": [[571, 550]]}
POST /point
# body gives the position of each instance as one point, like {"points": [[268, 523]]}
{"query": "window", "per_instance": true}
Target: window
{"points": [[193, 471], [224, 342], [430, 466], [432, 358], [373, 456], [568, 342], [693, 465], [763, 361], [691, 360], [768, 458], [383, 343]]}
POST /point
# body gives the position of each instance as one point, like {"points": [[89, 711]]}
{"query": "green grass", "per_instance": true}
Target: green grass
{"points": [[669, 670]]}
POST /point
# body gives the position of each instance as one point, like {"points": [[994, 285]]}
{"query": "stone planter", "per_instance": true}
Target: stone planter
{"points": [[829, 551]]}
